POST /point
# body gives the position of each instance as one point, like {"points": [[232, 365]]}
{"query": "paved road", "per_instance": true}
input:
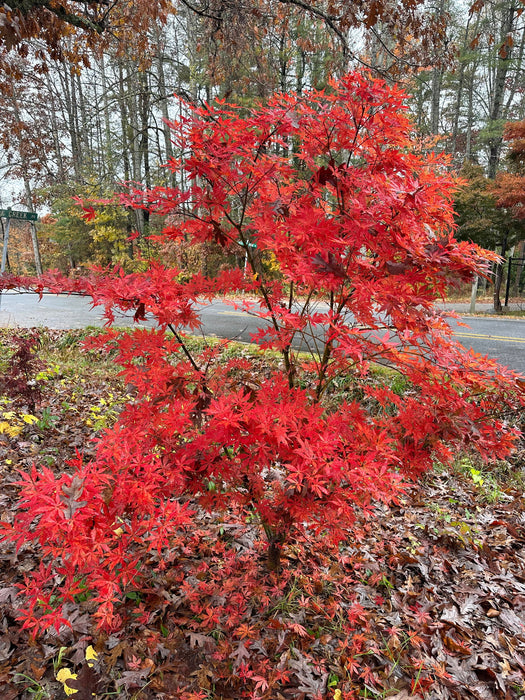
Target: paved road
{"points": [[501, 338]]}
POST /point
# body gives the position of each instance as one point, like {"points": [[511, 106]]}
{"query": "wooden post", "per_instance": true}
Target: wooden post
{"points": [[474, 294]]}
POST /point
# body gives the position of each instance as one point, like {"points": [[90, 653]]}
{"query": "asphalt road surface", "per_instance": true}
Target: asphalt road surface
{"points": [[500, 338]]}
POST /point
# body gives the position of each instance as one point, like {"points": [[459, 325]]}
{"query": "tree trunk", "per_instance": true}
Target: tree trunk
{"points": [[124, 126], [163, 91], [27, 187], [109, 156], [61, 174], [70, 105], [437, 80], [497, 100]]}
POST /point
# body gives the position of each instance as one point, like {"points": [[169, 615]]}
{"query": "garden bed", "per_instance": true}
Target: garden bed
{"points": [[426, 599]]}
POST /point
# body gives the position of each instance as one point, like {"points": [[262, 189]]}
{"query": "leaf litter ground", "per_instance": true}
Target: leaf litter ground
{"points": [[425, 600]]}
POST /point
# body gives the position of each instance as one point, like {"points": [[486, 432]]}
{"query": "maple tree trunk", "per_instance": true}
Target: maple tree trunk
{"points": [[273, 559], [273, 555]]}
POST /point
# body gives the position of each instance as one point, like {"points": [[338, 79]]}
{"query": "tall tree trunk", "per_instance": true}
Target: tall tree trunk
{"points": [[503, 64], [462, 83], [437, 80], [124, 124], [470, 116], [84, 130], [163, 93], [108, 145], [61, 173], [71, 111], [27, 186], [144, 104]]}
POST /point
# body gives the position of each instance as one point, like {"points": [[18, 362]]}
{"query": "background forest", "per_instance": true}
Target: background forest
{"points": [[87, 90]]}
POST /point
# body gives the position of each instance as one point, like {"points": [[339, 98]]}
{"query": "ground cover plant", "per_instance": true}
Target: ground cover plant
{"points": [[222, 495]]}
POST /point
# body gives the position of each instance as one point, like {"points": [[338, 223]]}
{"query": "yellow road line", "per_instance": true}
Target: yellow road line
{"points": [[459, 335], [233, 313], [490, 337]]}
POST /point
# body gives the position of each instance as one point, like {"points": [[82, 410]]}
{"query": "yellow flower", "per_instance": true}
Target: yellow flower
{"points": [[63, 676], [337, 694]]}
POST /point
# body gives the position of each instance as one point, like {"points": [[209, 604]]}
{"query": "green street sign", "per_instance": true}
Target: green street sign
{"points": [[20, 215]]}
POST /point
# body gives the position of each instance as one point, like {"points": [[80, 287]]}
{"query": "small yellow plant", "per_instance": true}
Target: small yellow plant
{"points": [[104, 415], [47, 373], [13, 423]]}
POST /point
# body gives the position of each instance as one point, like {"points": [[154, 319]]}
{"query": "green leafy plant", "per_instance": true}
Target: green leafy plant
{"points": [[47, 420]]}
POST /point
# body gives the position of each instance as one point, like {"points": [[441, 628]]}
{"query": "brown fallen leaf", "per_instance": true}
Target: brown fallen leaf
{"points": [[457, 647]]}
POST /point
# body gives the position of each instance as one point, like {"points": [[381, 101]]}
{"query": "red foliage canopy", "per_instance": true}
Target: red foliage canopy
{"points": [[328, 187]]}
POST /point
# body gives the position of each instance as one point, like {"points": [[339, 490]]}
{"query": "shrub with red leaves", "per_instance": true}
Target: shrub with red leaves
{"points": [[329, 186], [18, 379]]}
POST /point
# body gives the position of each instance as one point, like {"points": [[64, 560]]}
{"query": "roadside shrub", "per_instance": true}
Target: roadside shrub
{"points": [[359, 229]]}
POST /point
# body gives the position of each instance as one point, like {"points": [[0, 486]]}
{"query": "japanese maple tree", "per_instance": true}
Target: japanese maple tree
{"points": [[328, 188]]}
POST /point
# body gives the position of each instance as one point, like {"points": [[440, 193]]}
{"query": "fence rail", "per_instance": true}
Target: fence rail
{"points": [[515, 278]]}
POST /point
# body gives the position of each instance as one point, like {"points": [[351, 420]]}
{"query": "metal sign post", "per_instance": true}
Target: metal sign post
{"points": [[4, 250]]}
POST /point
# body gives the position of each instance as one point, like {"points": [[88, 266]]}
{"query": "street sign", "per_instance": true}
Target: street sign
{"points": [[20, 215]]}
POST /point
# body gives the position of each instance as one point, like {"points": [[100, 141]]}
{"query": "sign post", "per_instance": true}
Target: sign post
{"points": [[4, 251], [18, 216]]}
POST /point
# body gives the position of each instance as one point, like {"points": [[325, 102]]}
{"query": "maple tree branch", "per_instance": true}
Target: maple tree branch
{"points": [[184, 348], [245, 244]]}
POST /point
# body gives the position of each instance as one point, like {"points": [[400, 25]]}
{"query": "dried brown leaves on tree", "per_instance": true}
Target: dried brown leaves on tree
{"points": [[70, 30]]}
